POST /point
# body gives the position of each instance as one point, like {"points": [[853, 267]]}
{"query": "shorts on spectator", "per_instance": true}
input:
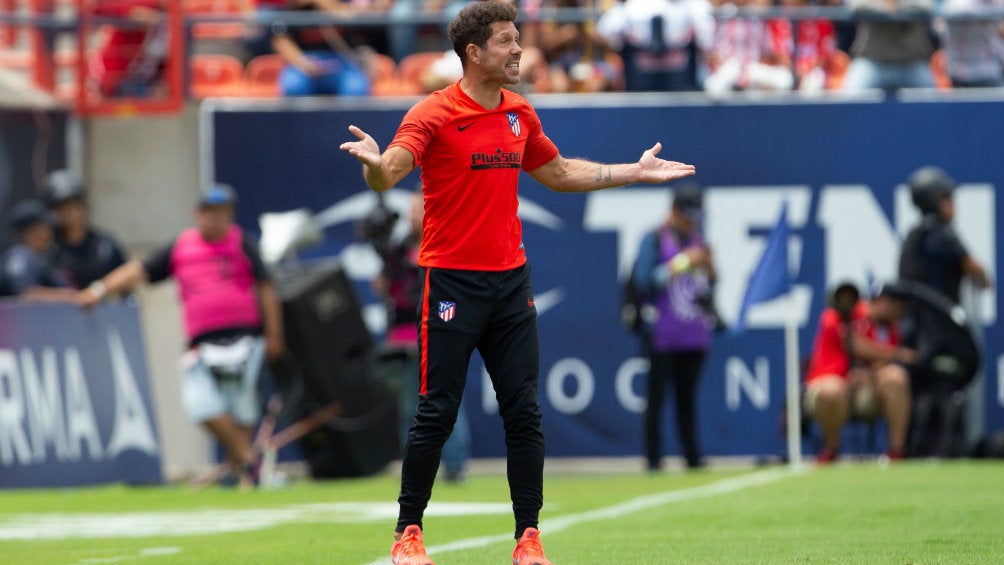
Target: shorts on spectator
{"points": [[863, 402], [208, 394]]}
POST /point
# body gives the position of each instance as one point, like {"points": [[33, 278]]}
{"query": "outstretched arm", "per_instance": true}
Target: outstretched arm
{"points": [[122, 278], [380, 171], [578, 175], [975, 270]]}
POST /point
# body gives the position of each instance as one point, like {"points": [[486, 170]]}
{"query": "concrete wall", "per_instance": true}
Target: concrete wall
{"points": [[143, 175]]}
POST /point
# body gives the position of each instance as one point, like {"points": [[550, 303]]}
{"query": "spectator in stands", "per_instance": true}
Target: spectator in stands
{"points": [[974, 50], [857, 368], [807, 45], [233, 321], [403, 31], [660, 41], [743, 56], [890, 54], [675, 271], [27, 271], [578, 57], [399, 282], [845, 30], [258, 39], [319, 61], [85, 253], [131, 61]]}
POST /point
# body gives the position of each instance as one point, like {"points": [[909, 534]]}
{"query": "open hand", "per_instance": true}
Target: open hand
{"points": [[365, 150], [655, 170]]}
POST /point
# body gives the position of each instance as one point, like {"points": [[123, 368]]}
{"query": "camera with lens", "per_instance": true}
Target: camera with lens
{"points": [[377, 227]]}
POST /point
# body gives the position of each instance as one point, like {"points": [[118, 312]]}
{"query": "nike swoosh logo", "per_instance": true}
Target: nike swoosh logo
{"points": [[462, 128]]}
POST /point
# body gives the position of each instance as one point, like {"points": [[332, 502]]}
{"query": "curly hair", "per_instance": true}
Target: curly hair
{"points": [[474, 24]]}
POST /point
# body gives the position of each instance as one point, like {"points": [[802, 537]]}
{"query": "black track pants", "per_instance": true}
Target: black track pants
{"points": [[493, 312]]}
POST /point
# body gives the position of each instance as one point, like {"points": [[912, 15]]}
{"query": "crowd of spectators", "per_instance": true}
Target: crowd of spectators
{"points": [[647, 45], [386, 47]]}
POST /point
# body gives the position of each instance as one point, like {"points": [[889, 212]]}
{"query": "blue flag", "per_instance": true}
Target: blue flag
{"points": [[770, 278]]}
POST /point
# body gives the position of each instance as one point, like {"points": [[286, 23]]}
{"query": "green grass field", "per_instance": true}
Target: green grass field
{"points": [[910, 513]]}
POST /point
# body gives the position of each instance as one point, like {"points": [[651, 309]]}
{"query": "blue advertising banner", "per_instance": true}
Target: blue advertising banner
{"points": [[75, 403], [839, 166]]}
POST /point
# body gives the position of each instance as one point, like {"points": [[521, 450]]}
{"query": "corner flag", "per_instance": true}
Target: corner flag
{"points": [[770, 277]]}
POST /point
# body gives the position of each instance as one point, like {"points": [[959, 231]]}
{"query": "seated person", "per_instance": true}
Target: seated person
{"points": [[661, 43], [743, 56], [319, 61], [857, 368]]}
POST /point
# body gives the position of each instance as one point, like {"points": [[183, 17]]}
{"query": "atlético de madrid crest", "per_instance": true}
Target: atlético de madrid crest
{"points": [[513, 122], [447, 310]]}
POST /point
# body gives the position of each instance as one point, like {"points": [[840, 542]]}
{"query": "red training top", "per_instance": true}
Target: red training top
{"points": [[470, 159], [829, 354]]}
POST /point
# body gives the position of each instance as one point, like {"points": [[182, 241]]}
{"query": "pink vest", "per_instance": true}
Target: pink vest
{"points": [[216, 282]]}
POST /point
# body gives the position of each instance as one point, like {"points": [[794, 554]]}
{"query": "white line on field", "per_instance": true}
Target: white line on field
{"points": [[621, 509], [147, 552]]}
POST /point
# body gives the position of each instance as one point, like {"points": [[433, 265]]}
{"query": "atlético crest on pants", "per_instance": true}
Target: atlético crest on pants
{"points": [[447, 310], [513, 122]]}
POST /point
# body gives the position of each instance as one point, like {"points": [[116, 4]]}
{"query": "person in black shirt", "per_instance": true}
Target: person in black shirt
{"points": [[933, 254], [934, 258], [85, 253]]}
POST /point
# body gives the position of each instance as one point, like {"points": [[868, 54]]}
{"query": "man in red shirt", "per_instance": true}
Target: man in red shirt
{"points": [[857, 367], [471, 140]]}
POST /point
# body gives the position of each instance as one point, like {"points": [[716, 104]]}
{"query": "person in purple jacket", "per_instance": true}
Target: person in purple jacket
{"points": [[675, 272]]}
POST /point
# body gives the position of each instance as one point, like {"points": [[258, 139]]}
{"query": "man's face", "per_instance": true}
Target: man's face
{"points": [[214, 221], [71, 212], [38, 236], [499, 59], [680, 221], [946, 207]]}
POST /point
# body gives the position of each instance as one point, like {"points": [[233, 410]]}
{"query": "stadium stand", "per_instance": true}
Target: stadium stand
{"points": [[215, 30], [219, 27]]}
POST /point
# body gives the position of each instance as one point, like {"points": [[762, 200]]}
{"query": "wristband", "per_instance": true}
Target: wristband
{"points": [[98, 288], [680, 263]]}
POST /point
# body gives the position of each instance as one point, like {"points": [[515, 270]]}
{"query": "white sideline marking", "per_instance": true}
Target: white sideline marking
{"points": [[621, 509], [142, 524], [148, 552]]}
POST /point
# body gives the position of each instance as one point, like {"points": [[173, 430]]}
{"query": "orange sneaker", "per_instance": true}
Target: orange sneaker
{"points": [[528, 549], [409, 550]]}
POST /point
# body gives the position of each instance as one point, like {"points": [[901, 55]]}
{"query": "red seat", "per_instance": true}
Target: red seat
{"points": [[215, 75], [261, 76], [412, 66]]}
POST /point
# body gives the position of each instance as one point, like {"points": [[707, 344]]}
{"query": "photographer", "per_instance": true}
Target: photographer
{"points": [[400, 286], [937, 261], [675, 273]]}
